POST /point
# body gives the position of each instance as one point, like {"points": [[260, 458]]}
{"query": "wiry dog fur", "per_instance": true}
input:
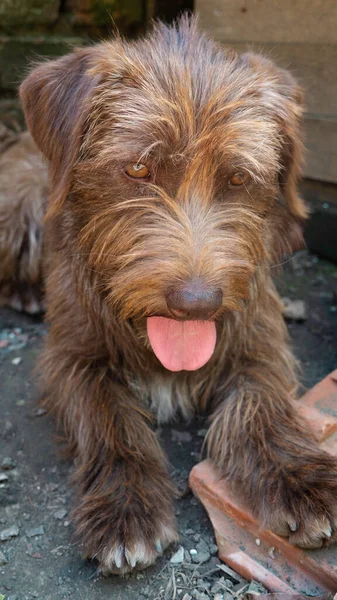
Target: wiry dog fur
{"points": [[194, 113], [23, 197]]}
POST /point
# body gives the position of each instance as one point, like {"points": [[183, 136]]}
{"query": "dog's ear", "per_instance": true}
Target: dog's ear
{"points": [[56, 98], [283, 98]]}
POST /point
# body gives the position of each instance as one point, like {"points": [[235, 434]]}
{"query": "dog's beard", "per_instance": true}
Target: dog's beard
{"points": [[151, 248], [181, 345]]}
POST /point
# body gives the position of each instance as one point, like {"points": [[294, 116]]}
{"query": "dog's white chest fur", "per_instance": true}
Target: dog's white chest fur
{"points": [[166, 395]]}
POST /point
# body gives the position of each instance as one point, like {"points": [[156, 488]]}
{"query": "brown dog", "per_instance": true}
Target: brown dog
{"points": [[173, 165], [23, 198]]}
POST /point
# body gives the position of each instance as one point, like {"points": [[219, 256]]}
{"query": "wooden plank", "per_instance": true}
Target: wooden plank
{"points": [[301, 36], [319, 192], [321, 144], [314, 66], [292, 21]]}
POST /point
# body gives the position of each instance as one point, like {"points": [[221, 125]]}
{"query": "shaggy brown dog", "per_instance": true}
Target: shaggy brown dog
{"points": [[23, 197], [173, 166]]}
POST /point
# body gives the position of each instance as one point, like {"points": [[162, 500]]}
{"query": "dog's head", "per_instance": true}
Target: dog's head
{"points": [[180, 161]]}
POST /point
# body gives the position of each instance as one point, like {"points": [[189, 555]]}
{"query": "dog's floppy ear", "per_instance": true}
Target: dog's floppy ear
{"points": [[56, 101], [283, 98]]}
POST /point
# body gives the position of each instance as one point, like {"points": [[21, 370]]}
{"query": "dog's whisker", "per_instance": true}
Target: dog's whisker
{"points": [[281, 264]]}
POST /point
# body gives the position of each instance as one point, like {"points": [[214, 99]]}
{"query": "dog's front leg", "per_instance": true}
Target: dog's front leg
{"points": [[125, 515], [270, 458]]}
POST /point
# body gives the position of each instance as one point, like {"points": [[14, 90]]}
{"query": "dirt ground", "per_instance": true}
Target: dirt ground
{"points": [[37, 557]]}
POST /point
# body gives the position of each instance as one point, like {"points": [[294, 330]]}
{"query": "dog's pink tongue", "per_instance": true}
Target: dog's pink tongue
{"points": [[181, 345]]}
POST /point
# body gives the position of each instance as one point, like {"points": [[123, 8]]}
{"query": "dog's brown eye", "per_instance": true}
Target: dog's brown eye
{"points": [[137, 171], [238, 179]]}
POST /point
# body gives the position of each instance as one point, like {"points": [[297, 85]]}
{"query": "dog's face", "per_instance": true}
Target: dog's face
{"points": [[179, 160]]}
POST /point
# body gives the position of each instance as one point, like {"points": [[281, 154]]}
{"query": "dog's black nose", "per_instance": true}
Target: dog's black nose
{"points": [[194, 301]]}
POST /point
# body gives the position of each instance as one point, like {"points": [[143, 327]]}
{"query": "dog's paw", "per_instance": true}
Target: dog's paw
{"points": [[22, 297], [305, 509], [124, 526], [121, 556], [311, 532]]}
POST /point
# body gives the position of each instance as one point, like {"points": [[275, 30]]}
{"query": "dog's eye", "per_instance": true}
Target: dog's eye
{"points": [[238, 179], [137, 171]]}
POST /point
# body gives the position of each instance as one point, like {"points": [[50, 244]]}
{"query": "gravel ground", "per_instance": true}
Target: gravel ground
{"points": [[37, 557]]}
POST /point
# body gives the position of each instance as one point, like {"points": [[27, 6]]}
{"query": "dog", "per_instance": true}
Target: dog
{"points": [[24, 188], [173, 171]]}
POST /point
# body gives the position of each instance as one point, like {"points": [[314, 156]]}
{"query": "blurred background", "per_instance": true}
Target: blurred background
{"points": [[300, 35]]}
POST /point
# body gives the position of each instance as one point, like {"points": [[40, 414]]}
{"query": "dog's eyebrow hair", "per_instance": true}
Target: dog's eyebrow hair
{"points": [[149, 150], [247, 137], [180, 155]]}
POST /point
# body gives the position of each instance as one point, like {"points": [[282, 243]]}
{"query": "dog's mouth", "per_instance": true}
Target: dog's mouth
{"points": [[181, 345]]}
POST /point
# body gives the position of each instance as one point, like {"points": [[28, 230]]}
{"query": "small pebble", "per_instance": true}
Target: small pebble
{"points": [[7, 463], [203, 586], [181, 436], [16, 361], [187, 557], [38, 412], [60, 514], [178, 557], [294, 310], [213, 549], [258, 541], [201, 557], [51, 487], [199, 595], [8, 426], [3, 559], [10, 532], [34, 531], [193, 552], [271, 552], [203, 554], [256, 589], [31, 552], [3, 477], [219, 586]]}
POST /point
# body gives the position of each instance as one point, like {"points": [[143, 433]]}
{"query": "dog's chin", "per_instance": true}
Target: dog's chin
{"points": [[181, 345]]}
